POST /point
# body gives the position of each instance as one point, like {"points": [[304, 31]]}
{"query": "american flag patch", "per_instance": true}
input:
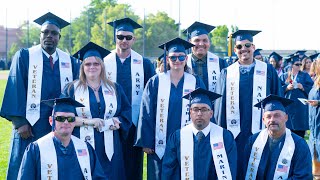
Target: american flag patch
{"points": [[187, 91], [65, 65], [212, 60], [282, 168], [136, 61], [260, 72], [107, 92], [218, 145], [82, 152]]}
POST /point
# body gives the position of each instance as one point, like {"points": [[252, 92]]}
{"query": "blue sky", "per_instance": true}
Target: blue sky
{"points": [[285, 24]]}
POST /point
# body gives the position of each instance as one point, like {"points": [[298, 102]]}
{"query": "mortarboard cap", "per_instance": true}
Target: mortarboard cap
{"points": [[202, 96], [91, 49], [175, 45], [241, 35], [300, 52], [124, 24], [65, 104], [197, 29], [274, 102], [314, 56], [275, 56], [160, 58], [50, 18], [256, 52], [294, 58]]}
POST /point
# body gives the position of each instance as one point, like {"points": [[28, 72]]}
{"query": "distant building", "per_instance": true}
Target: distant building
{"points": [[13, 37]]}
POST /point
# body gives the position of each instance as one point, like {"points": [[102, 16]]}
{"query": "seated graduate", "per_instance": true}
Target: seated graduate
{"points": [[275, 152], [163, 110], [202, 149], [107, 109], [59, 155]]}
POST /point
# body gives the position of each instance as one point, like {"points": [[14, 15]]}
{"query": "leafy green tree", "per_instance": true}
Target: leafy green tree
{"points": [[34, 35], [219, 39], [13, 49]]}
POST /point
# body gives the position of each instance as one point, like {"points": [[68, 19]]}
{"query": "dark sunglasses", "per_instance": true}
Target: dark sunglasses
{"points": [[298, 64], [47, 32], [95, 64], [63, 118], [247, 45], [174, 58], [121, 37]]}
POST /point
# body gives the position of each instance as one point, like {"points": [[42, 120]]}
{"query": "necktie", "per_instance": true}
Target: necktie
{"points": [[200, 136], [51, 61]]}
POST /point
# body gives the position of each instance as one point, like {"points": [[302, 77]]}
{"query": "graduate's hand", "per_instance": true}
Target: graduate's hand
{"points": [[290, 87], [313, 102], [96, 123], [25, 131], [148, 150], [116, 123]]}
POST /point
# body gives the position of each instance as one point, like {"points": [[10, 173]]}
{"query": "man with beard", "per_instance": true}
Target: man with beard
{"points": [[276, 152], [243, 84], [204, 63], [129, 69], [37, 73]]}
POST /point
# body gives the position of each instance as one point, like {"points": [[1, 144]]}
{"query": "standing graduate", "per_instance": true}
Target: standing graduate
{"points": [[276, 152], [202, 62], [36, 73], [242, 85], [105, 105], [163, 111], [257, 55], [200, 150], [276, 60], [131, 71], [297, 84], [59, 155]]}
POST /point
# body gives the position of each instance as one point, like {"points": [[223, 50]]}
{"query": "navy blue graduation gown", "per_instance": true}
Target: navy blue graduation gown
{"points": [[245, 103], [147, 122], [113, 169], [15, 99], [314, 121], [297, 112], [203, 163], [68, 164], [133, 156], [300, 167], [204, 76]]}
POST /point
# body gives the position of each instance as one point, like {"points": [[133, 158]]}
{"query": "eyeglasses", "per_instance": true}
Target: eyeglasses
{"points": [[47, 32], [298, 64], [202, 110], [63, 118], [174, 58], [89, 64], [121, 37], [247, 45]]}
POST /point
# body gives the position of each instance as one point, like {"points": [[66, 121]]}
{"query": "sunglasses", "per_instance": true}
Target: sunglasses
{"points": [[63, 118], [174, 58], [247, 45], [47, 32], [121, 37], [298, 64], [95, 64]]}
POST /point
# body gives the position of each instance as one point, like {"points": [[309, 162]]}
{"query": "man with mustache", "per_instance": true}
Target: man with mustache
{"points": [[276, 152], [243, 84], [36, 73]]}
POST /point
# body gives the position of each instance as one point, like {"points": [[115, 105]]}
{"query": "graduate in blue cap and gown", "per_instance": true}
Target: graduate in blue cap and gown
{"points": [[276, 60], [313, 68], [202, 62], [297, 84], [242, 85], [105, 105], [132, 71], [160, 64], [37, 73], [163, 111], [301, 54], [59, 154], [202, 149], [276, 152], [257, 55]]}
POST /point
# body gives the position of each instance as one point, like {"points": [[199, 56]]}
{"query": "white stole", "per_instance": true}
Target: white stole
{"points": [[219, 154], [164, 88], [87, 132], [35, 79], [137, 79], [284, 160], [232, 98], [213, 67], [48, 157]]}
